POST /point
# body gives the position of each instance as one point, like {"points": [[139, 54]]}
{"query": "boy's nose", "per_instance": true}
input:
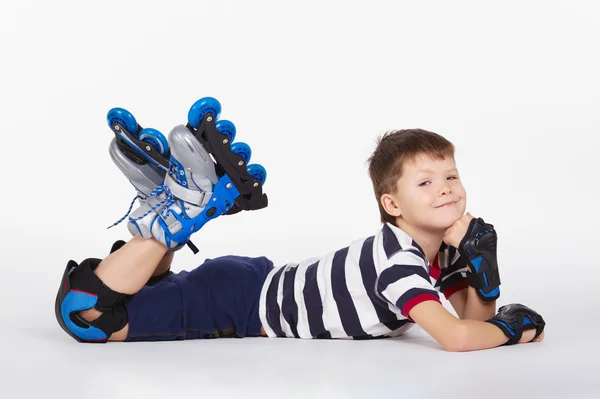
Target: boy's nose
{"points": [[445, 189]]}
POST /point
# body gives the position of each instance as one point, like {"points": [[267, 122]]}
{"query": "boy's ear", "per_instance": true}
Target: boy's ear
{"points": [[390, 205]]}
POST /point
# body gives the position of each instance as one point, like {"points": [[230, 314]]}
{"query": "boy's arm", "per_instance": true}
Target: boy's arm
{"points": [[457, 335], [453, 334], [405, 284], [453, 283], [468, 305], [458, 300], [476, 309], [476, 240]]}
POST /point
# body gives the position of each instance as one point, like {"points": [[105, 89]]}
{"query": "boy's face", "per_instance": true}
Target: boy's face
{"points": [[429, 194]]}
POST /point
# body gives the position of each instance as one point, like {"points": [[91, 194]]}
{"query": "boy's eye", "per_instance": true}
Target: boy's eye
{"points": [[424, 184], [453, 177]]}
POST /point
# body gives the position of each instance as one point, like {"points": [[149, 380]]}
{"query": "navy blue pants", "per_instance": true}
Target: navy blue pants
{"points": [[217, 299]]}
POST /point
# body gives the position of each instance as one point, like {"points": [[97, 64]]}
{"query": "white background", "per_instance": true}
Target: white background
{"points": [[310, 86]]}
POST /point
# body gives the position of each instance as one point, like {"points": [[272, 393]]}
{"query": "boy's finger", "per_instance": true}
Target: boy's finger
{"points": [[541, 337]]}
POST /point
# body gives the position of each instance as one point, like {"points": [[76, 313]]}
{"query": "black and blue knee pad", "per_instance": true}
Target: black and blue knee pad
{"points": [[80, 289], [514, 319], [479, 247]]}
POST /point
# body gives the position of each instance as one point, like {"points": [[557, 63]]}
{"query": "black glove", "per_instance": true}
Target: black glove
{"points": [[479, 247], [515, 318]]}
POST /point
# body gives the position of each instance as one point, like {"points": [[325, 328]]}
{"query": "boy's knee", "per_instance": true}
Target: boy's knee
{"points": [[80, 290]]}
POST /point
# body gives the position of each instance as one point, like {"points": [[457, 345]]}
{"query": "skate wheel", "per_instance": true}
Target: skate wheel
{"points": [[243, 150], [258, 172], [124, 118], [201, 108], [227, 128], [156, 139]]}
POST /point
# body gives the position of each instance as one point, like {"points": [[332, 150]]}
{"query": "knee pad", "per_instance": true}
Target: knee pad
{"points": [[80, 289]]}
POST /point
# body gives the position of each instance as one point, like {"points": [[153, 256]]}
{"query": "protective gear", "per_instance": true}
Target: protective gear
{"points": [[81, 289], [478, 246], [515, 318]]}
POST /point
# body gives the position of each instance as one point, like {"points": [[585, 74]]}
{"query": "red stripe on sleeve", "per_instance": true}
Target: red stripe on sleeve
{"points": [[461, 285], [434, 269], [411, 303]]}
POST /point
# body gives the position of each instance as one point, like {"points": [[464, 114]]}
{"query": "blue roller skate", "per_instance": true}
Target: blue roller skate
{"points": [[208, 176], [142, 155]]}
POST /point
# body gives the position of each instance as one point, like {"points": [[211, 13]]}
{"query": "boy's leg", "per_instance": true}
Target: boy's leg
{"points": [[164, 266], [195, 191], [90, 304], [127, 270]]}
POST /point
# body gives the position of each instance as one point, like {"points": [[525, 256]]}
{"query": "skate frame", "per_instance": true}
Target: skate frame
{"points": [[217, 144], [139, 151]]}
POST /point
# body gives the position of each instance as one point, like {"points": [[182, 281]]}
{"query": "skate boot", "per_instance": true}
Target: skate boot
{"points": [[208, 176]]}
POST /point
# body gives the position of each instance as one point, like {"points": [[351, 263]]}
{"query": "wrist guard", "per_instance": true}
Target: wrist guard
{"points": [[515, 318], [479, 247]]}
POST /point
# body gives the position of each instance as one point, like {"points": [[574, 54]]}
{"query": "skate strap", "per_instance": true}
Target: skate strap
{"points": [[160, 205], [194, 197]]}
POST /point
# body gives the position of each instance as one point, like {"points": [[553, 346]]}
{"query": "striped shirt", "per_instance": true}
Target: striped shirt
{"points": [[362, 291]]}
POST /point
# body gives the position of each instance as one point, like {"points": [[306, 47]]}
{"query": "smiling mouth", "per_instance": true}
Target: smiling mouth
{"points": [[446, 204]]}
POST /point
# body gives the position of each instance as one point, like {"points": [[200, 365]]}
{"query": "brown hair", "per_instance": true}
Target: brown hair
{"points": [[393, 149]]}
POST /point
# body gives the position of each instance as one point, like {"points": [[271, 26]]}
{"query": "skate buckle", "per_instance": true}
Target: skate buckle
{"points": [[222, 199]]}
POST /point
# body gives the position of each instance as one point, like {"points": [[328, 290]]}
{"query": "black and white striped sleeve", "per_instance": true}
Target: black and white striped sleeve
{"points": [[405, 282]]}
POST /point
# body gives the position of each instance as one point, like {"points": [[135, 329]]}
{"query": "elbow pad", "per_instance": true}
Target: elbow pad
{"points": [[479, 247]]}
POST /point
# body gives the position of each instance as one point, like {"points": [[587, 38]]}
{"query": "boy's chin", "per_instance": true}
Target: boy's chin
{"points": [[440, 227], [445, 223]]}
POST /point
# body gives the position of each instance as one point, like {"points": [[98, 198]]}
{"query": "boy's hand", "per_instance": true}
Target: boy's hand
{"points": [[515, 320], [528, 337], [457, 231]]}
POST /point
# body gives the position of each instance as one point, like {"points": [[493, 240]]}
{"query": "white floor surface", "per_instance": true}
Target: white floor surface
{"points": [[39, 360]]}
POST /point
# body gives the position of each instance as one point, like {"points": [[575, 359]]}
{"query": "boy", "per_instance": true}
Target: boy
{"points": [[376, 287]]}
